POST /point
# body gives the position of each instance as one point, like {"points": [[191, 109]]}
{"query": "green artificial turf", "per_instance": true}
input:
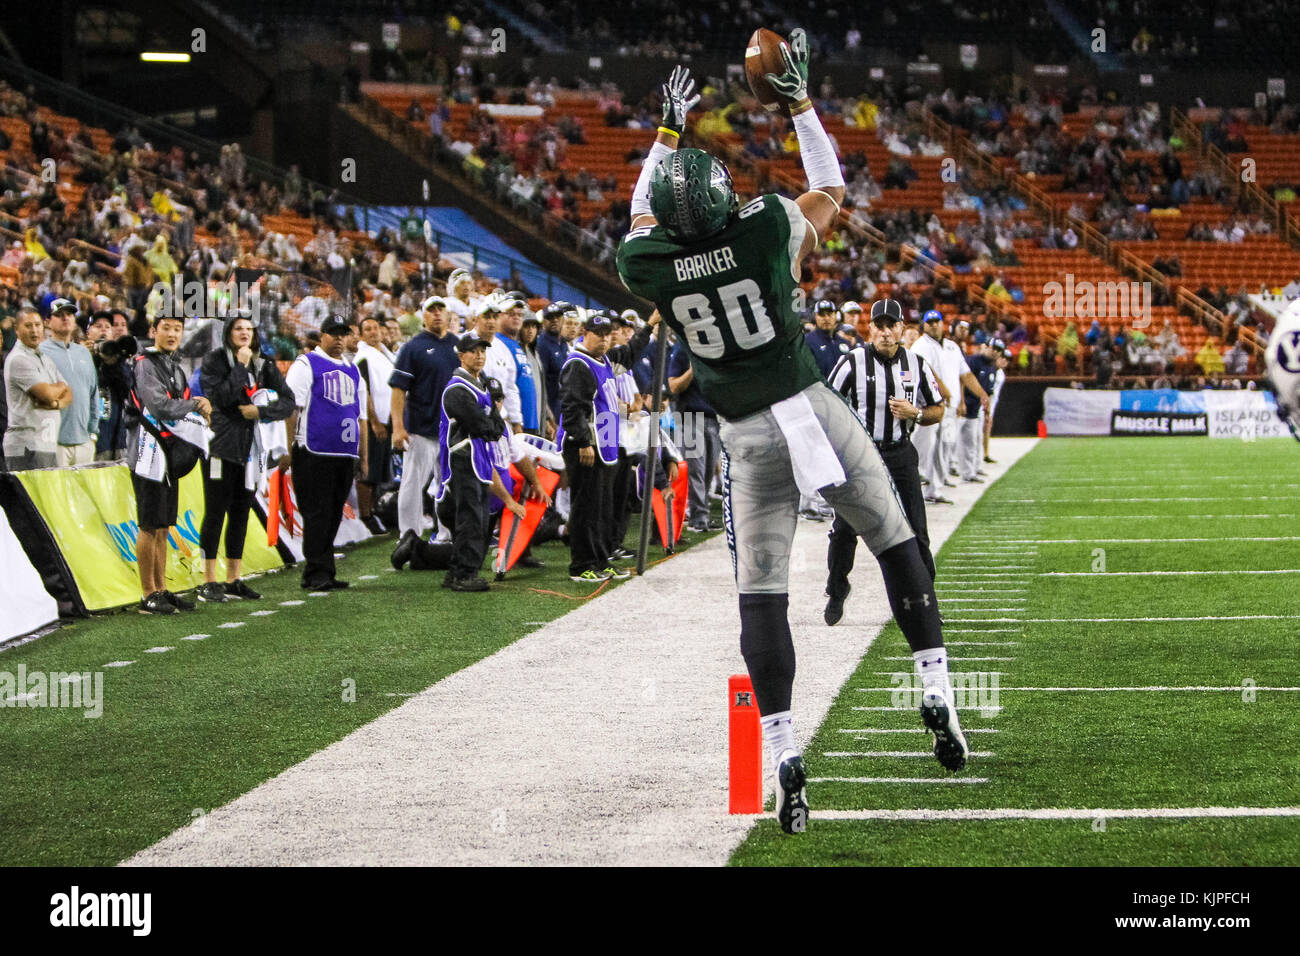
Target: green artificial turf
{"points": [[187, 730], [1103, 749]]}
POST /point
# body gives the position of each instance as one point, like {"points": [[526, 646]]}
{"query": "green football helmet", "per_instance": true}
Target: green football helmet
{"points": [[691, 195]]}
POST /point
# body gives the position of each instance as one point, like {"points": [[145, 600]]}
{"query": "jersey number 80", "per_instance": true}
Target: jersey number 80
{"points": [[742, 304]]}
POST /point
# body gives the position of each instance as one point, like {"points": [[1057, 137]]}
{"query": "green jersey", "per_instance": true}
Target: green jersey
{"points": [[734, 301]]}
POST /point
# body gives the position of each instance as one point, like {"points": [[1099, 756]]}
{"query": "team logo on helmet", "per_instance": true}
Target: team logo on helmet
{"points": [[691, 194]]}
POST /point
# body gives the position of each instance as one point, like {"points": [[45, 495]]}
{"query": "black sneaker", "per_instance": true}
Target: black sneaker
{"points": [[178, 602], [812, 514], [211, 593], [448, 578], [528, 561], [949, 742], [471, 582], [405, 548], [791, 798], [157, 603], [835, 608], [238, 589], [335, 585], [374, 525]]}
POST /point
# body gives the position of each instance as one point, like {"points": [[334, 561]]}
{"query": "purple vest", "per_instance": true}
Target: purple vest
{"points": [[334, 409], [605, 415], [481, 451]]}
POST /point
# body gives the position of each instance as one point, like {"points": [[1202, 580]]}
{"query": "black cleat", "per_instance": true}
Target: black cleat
{"points": [[791, 800], [835, 607], [949, 742]]}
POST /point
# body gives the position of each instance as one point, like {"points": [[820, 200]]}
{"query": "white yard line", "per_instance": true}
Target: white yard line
{"points": [[1132, 574], [1052, 813], [1098, 517], [855, 754], [1289, 537], [1116, 620], [469, 771], [914, 730], [1030, 501], [921, 780], [1099, 690], [964, 714]]}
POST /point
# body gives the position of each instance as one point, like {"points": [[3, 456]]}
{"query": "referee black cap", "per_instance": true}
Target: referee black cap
{"points": [[886, 312]]}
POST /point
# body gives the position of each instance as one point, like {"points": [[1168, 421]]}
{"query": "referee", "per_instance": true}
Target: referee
{"points": [[893, 391]]}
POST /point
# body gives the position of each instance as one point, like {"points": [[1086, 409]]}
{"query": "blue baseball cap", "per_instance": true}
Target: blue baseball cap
{"points": [[934, 315]]}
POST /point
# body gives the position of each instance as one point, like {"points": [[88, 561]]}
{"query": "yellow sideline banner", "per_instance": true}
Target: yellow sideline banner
{"points": [[91, 513]]}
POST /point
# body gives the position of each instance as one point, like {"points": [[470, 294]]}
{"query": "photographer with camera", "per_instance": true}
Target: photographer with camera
{"points": [[111, 346]]}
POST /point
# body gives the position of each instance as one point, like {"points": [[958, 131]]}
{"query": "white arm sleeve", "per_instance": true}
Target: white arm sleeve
{"points": [[820, 163], [641, 194]]}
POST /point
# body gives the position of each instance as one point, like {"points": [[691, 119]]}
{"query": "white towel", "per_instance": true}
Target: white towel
{"points": [[815, 463]]}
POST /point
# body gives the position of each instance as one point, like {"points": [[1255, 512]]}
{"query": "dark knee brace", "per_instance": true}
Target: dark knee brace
{"points": [[768, 649], [911, 595]]}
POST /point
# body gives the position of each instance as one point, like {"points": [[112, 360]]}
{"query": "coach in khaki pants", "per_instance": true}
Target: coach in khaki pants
{"points": [[79, 421]]}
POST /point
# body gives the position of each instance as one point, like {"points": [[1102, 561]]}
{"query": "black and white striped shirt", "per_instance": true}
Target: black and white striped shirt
{"points": [[869, 380]]}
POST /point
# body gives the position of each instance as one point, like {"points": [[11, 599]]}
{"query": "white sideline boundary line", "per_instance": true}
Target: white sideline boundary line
{"points": [[1053, 813]]}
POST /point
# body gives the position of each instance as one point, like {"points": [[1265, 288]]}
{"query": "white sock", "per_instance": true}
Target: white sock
{"points": [[778, 734], [932, 668]]}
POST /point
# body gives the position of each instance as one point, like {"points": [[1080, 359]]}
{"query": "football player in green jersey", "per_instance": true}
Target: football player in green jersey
{"points": [[726, 279]]}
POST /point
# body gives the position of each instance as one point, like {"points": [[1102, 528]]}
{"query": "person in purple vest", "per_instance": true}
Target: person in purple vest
{"points": [[467, 435], [328, 441], [588, 436]]}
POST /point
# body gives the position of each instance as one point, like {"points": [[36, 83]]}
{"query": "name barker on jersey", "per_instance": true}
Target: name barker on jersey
{"points": [[704, 264]]}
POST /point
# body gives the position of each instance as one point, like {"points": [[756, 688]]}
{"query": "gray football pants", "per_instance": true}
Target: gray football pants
{"points": [[761, 498]]}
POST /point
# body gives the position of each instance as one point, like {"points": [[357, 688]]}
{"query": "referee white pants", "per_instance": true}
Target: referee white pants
{"points": [[926, 440], [419, 467], [971, 446], [948, 435]]}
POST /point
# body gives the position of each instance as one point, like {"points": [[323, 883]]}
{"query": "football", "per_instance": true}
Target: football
{"points": [[762, 56]]}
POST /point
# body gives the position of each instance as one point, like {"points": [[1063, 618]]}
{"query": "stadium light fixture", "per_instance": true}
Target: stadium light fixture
{"points": [[154, 57]]}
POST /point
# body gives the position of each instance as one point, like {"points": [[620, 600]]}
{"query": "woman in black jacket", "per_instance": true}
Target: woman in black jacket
{"points": [[229, 378]]}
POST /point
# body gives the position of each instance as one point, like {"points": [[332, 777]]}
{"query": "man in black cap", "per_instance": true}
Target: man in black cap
{"points": [[589, 435], [328, 441], [893, 392], [827, 347], [468, 427]]}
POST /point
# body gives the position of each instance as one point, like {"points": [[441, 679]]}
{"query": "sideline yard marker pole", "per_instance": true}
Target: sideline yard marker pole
{"points": [[746, 745]]}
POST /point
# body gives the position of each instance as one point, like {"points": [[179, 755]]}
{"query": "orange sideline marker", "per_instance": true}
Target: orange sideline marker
{"points": [[746, 738]]}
